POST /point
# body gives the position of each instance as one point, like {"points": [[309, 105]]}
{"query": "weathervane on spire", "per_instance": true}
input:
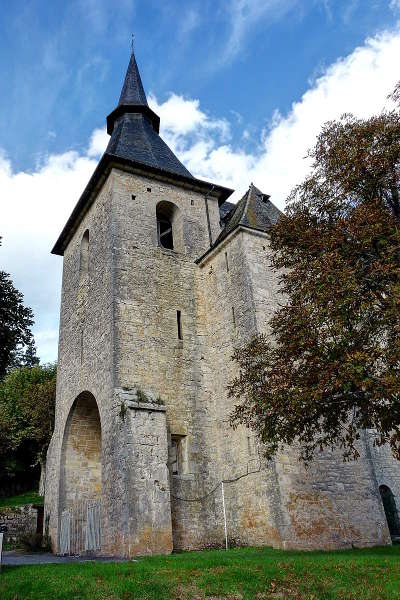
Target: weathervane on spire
{"points": [[132, 43]]}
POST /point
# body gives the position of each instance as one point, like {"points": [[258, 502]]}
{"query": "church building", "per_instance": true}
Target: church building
{"points": [[162, 278]]}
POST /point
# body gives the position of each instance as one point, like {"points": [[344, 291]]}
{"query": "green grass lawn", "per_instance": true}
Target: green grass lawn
{"points": [[21, 500], [247, 573]]}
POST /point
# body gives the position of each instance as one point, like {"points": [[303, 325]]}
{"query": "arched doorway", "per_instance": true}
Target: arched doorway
{"points": [[80, 484], [390, 508]]}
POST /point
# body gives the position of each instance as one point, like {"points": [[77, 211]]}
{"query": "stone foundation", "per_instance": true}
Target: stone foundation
{"points": [[20, 521]]}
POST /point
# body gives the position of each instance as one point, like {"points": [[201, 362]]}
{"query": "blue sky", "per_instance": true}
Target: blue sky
{"points": [[62, 62], [242, 88]]}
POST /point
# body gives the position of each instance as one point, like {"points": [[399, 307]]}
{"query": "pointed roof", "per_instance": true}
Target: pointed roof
{"points": [[134, 139], [253, 211], [135, 146], [132, 90], [132, 99], [134, 128]]}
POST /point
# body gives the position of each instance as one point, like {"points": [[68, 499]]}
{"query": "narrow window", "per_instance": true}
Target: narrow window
{"points": [[169, 226], [179, 324], [249, 446], [177, 454], [84, 257], [165, 237], [81, 346], [233, 318], [226, 262]]}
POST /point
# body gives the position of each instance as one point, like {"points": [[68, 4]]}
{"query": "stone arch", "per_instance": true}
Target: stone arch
{"points": [[389, 505], [169, 226], [81, 454]]}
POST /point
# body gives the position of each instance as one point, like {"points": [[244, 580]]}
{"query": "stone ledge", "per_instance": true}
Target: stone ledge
{"points": [[130, 399], [145, 406]]}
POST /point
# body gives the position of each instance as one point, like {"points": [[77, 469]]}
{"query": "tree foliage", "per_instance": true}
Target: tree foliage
{"points": [[27, 403], [16, 343], [331, 364]]}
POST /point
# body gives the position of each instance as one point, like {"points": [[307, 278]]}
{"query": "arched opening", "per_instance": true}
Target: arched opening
{"points": [[169, 230], [80, 483], [84, 256], [390, 508]]}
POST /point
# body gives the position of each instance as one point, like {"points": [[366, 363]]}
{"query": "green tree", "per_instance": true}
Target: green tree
{"points": [[30, 359], [27, 402], [331, 366], [15, 326]]}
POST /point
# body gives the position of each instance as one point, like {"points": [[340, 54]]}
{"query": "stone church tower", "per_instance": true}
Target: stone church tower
{"points": [[162, 278]]}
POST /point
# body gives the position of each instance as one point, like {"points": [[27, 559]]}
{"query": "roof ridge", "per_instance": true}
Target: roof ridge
{"points": [[247, 200]]}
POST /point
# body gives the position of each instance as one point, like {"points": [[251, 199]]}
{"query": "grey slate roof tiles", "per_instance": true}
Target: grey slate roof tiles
{"points": [[254, 210], [134, 139], [225, 209], [132, 90]]}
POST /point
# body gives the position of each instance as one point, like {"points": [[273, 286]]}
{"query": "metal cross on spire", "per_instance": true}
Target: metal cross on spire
{"points": [[132, 43]]}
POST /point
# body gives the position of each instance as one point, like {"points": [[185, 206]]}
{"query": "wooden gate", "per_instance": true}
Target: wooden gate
{"points": [[80, 529]]}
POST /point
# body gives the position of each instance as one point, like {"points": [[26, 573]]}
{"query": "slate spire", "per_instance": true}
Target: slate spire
{"points": [[134, 129], [132, 99], [132, 90]]}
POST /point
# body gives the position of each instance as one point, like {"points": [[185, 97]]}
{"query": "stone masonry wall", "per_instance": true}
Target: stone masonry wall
{"points": [[386, 468], [151, 285], [330, 504], [86, 364], [20, 521], [228, 319], [284, 504], [87, 357]]}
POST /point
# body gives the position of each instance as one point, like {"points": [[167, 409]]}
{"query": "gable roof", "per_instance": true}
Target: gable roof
{"points": [[253, 211]]}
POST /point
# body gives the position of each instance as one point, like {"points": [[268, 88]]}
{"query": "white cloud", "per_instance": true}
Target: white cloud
{"points": [[98, 143], [395, 5], [245, 15], [34, 206], [358, 83]]}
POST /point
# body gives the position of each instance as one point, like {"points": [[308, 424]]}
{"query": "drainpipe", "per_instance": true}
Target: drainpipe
{"points": [[208, 214], [223, 508]]}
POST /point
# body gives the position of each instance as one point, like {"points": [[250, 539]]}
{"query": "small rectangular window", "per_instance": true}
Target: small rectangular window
{"points": [[177, 454], [179, 324]]}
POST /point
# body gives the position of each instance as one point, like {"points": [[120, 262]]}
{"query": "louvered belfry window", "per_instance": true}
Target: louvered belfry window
{"points": [[165, 236]]}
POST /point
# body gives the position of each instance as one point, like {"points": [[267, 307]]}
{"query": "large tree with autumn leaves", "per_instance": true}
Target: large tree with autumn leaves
{"points": [[331, 364]]}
